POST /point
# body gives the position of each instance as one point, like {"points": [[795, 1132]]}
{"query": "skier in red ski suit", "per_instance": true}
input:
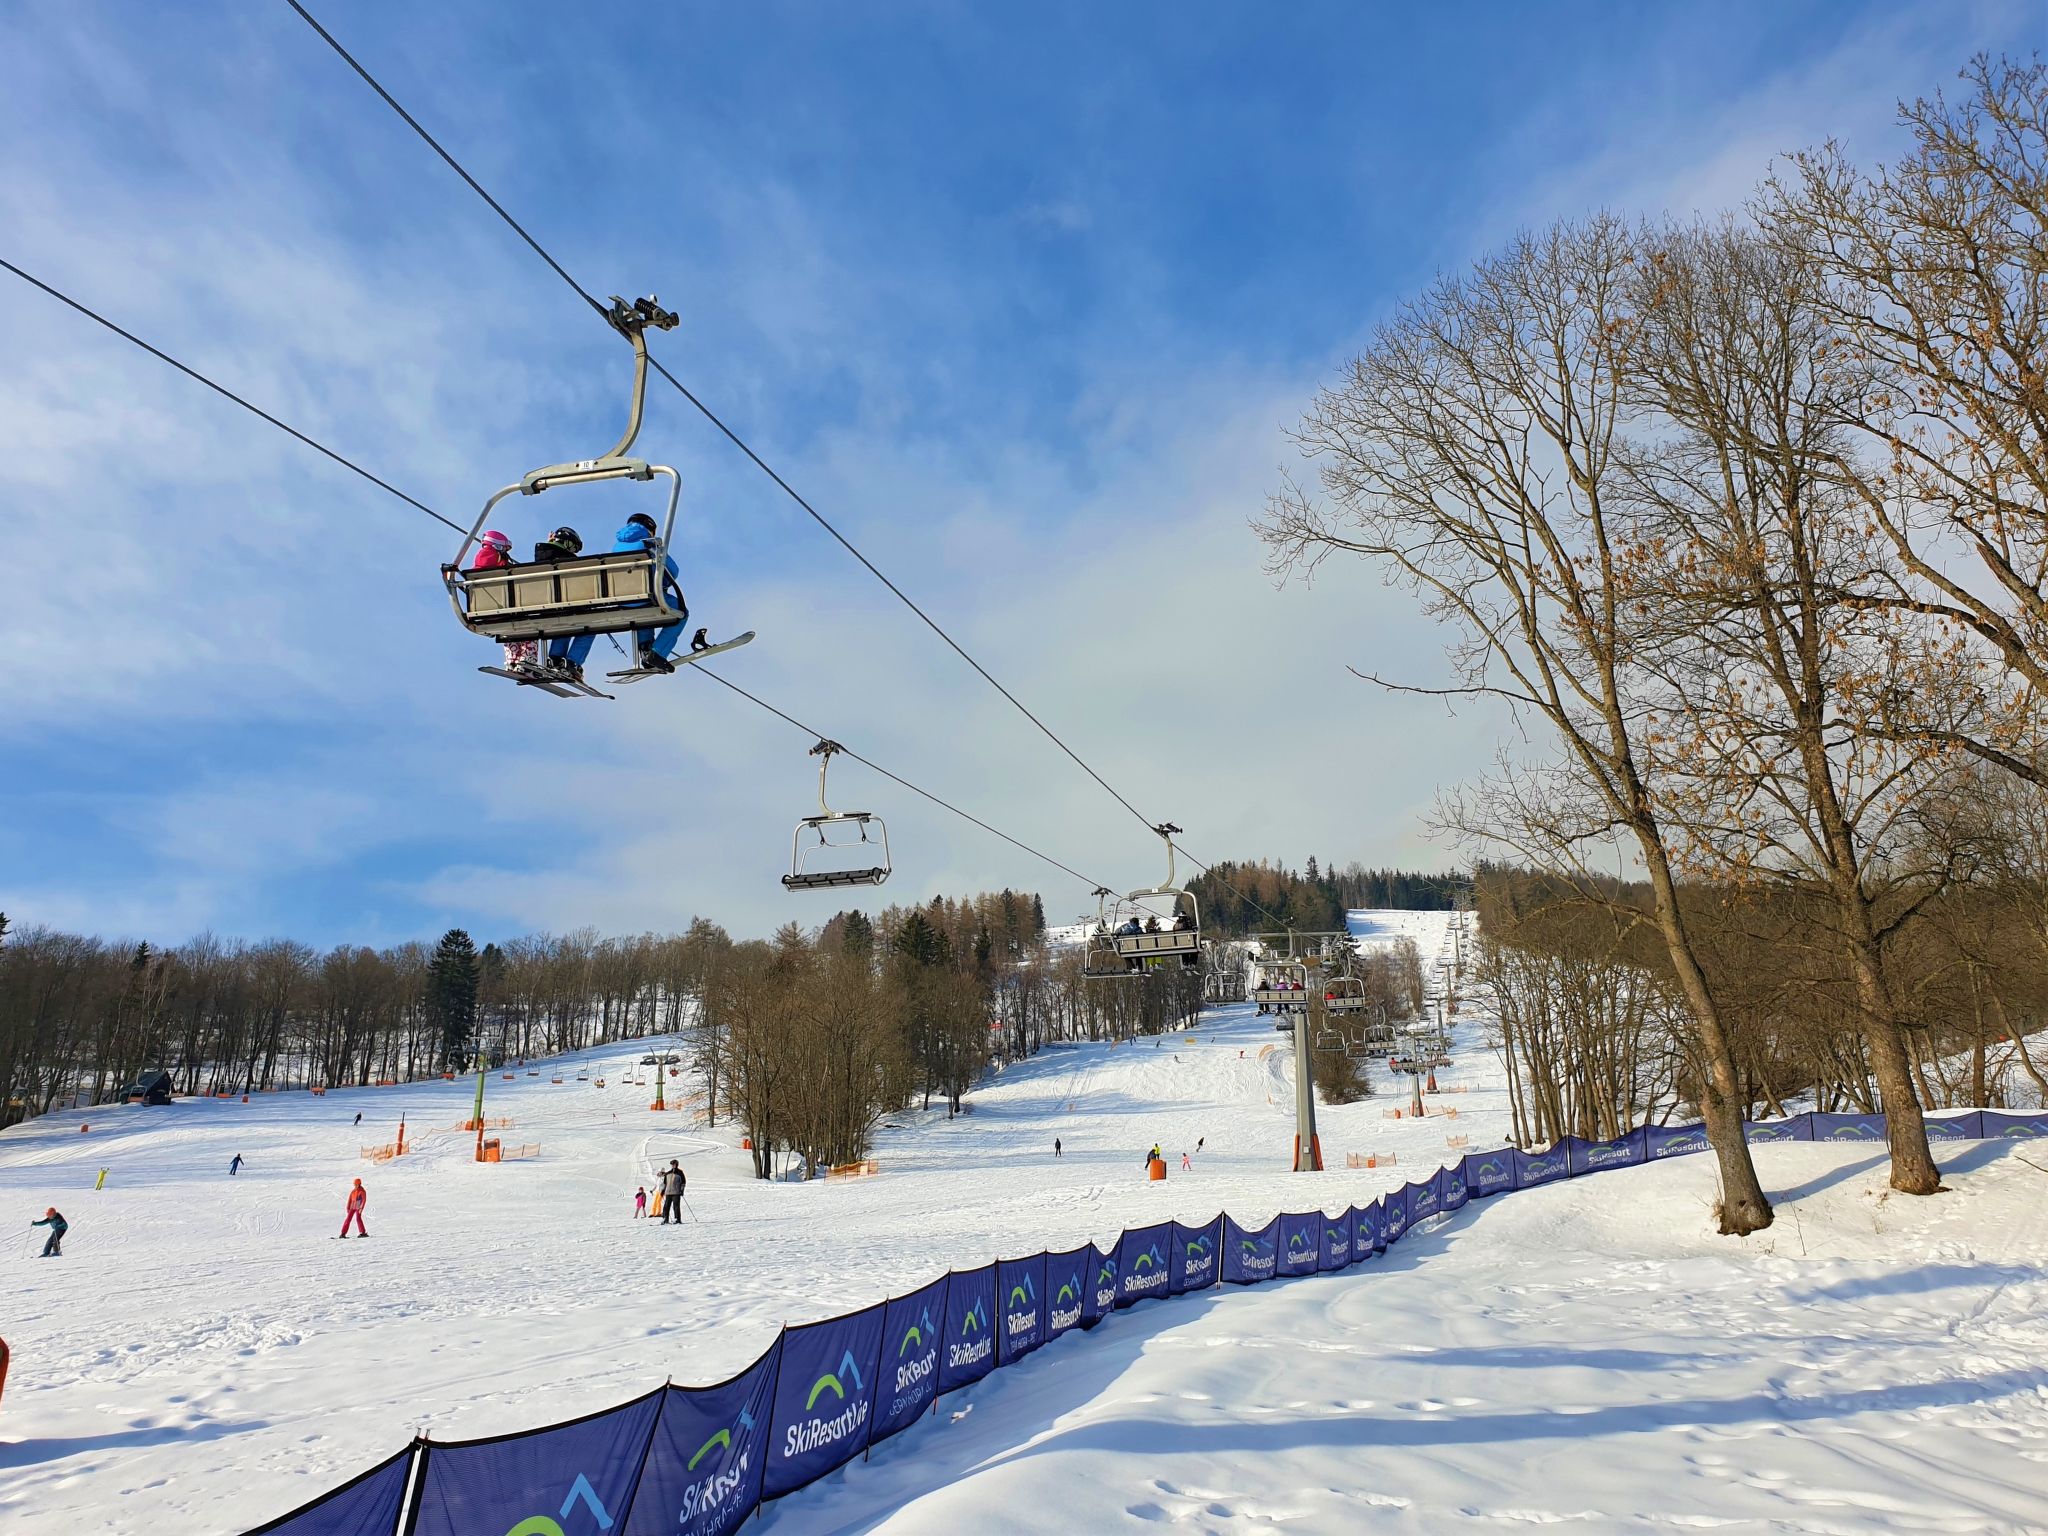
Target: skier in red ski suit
{"points": [[357, 1199]]}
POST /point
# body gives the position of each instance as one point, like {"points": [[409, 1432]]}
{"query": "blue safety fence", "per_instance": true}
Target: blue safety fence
{"points": [[697, 1461]]}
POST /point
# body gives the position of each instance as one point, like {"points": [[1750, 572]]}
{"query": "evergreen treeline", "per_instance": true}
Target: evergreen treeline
{"points": [[1237, 898]]}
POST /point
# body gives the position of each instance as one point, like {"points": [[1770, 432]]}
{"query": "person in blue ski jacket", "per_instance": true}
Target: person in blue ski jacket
{"points": [[653, 647], [54, 1248]]}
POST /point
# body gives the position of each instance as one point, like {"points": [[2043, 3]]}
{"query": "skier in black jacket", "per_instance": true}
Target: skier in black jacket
{"points": [[673, 1182]]}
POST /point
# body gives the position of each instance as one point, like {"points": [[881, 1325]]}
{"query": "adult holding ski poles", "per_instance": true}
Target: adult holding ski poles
{"points": [[673, 1182]]}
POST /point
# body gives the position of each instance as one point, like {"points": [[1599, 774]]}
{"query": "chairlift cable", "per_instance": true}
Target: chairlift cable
{"points": [[712, 417], [222, 390], [418, 505]]}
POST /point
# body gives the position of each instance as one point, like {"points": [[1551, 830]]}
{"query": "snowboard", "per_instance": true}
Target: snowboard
{"points": [[636, 674]]}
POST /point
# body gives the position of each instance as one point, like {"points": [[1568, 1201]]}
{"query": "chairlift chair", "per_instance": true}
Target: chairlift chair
{"points": [[1101, 960], [873, 837], [1179, 945], [590, 594], [1293, 996], [1344, 994]]}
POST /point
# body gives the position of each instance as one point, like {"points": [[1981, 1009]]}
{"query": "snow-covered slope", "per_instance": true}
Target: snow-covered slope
{"points": [[1584, 1354], [206, 1355]]}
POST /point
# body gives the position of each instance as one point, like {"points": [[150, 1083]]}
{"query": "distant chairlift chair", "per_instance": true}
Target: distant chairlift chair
{"points": [[874, 837]]}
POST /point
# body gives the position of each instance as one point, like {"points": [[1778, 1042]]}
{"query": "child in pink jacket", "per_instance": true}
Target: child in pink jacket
{"points": [[494, 553]]}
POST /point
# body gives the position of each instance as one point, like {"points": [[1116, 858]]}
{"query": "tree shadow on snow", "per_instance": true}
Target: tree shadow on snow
{"points": [[27, 1453]]}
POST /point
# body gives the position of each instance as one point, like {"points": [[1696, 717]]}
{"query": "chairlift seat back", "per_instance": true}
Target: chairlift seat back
{"points": [[587, 595], [1142, 946]]}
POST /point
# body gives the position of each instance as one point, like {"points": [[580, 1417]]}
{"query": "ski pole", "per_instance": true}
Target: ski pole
{"points": [[690, 1208]]}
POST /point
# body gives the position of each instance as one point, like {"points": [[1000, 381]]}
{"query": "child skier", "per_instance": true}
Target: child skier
{"points": [[494, 553], [358, 1197], [235, 1165], [640, 1202], [54, 1248]]}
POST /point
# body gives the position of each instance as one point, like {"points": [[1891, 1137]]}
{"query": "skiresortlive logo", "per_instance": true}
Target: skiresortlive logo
{"points": [[814, 1431]]}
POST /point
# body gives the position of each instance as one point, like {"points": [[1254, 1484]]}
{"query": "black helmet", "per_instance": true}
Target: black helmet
{"points": [[643, 520], [568, 538]]}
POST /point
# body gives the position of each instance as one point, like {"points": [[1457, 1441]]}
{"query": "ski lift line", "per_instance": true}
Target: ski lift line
{"points": [[418, 505], [452, 163], [222, 390], [946, 805], [711, 416]]}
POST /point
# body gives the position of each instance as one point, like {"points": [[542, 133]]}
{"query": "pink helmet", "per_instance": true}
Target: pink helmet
{"points": [[496, 539]]}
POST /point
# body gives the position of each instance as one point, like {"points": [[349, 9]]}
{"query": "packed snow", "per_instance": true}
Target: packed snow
{"points": [[206, 1355]]}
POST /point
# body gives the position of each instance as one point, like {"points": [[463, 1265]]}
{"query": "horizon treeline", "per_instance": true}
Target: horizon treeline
{"points": [[1745, 520], [1261, 897]]}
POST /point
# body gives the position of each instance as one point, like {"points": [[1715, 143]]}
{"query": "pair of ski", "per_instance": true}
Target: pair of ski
{"points": [[562, 686]]}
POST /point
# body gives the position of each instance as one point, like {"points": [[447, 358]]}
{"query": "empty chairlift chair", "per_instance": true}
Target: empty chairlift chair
{"points": [[827, 834]]}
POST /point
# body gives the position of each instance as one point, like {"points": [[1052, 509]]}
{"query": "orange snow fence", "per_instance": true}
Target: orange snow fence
{"points": [[1457, 1141], [1353, 1160], [519, 1153], [864, 1168], [317, 1092], [383, 1154]]}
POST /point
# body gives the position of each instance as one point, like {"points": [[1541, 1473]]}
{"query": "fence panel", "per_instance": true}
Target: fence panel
{"points": [[970, 1327], [710, 1448], [1969, 1127], [1248, 1257], [1068, 1277], [577, 1478], [1490, 1173], [1021, 1283], [824, 1398], [1998, 1127], [1593, 1156], [368, 1504], [1301, 1242], [1102, 1291], [1661, 1141], [1426, 1198], [913, 1333], [1792, 1128], [1336, 1252], [1142, 1269], [1848, 1127], [1534, 1168], [1195, 1256], [1456, 1190], [1394, 1214]]}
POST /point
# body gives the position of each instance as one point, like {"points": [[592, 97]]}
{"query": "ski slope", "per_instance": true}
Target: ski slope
{"points": [[206, 1355]]}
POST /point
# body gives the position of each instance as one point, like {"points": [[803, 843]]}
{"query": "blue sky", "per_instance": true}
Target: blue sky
{"points": [[1023, 298]]}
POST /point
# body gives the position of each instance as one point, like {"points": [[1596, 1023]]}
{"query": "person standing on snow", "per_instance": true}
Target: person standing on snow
{"points": [[639, 1202], [235, 1165], [673, 1182], [1185, 1165], [1055, 1146], [359, 1117], [54, 1248], [651, 647], [358, 1197]]}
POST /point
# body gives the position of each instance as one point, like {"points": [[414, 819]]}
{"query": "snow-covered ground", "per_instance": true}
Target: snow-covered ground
{"points": [[205, 1355]]}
